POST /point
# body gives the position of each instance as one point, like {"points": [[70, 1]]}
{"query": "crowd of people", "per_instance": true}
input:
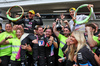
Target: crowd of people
{"points": [[63, 44]]}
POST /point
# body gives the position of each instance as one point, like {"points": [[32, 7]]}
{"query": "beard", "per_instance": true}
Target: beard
{"points": [[67, 34]]}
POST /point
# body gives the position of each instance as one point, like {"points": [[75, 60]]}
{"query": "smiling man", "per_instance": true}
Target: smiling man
{"points": [[30, 23]]}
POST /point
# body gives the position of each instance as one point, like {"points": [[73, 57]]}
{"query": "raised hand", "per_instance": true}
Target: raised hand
{"points": [[51, 38], [62, 16], [60, 60], [89, 6], [37, 14], [53, 24]]}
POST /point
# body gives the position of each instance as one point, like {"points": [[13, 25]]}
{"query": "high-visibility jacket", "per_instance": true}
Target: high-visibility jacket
{"points": [[16, 43], [62, 39], [5, 50], [95, 38]]}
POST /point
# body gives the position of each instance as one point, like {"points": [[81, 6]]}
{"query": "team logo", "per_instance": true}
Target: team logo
{"points": [[41, 43], [80, 56]]}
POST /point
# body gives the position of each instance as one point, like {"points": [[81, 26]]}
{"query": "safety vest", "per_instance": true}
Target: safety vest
{"points": [[95, 38], [62, 43], [16, 43], [5, 50]]}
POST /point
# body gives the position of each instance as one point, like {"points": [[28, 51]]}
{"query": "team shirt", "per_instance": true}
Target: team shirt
{"points": [[86, 57], [77, 26]]}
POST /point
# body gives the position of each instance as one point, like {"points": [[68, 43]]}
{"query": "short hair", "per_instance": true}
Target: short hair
{"points": [[9, 23], [91, 25], [0, 24], [39, 27], [50, 29], [68, 28]]}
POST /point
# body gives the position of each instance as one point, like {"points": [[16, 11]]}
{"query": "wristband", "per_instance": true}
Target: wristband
{"points": [[63, 59]]}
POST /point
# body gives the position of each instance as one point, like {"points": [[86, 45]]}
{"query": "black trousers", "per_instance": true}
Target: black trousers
{"points": [[29, 60], [15, 63], [50, 61], [41, 61], [27, 40], [35, 53], [5, 60]]}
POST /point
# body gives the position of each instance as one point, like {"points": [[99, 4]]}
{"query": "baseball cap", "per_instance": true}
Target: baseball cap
{"points": [[31, 11], [72, 9]]}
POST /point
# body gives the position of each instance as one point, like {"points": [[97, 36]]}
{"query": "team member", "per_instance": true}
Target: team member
{"points": [[30, 23], [16, 45], [62, 39], [5, 50], [73, 25], [51, 45], [68, 57], [41, 49], [31, 56], [91, 39], [84, 55]]}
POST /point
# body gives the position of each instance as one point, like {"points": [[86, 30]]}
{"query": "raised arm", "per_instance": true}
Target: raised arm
{"points": [[55, 30], [39, 22], [21, 21], [91, 42], [89, 6]]}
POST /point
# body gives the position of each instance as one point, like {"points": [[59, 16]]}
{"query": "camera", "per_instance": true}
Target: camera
{"points": [[58, 25]]}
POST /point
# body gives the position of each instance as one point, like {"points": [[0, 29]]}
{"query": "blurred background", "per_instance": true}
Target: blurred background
{"points": [[49, 9]]}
